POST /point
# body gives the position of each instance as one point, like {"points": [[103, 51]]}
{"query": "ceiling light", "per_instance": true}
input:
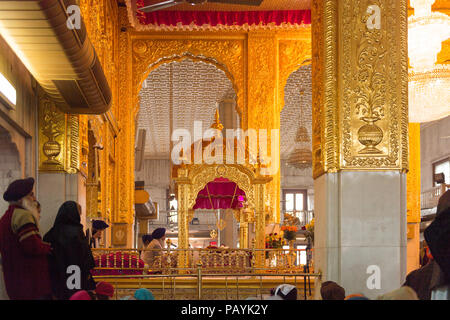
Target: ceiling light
{"points": [[7, 90]]}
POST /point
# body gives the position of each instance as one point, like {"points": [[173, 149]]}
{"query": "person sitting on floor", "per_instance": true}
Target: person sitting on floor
{"points": [[151, 253], [104, 291], [143, 294], [283, 292], [403, 293], [330, 290]]}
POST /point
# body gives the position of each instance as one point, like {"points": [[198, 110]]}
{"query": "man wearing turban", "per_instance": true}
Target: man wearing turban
{"points": [[151, 253], [97, 228], [24, 254]]}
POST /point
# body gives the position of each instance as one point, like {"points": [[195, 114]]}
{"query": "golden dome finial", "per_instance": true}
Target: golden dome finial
{"points": [[217, 125]]}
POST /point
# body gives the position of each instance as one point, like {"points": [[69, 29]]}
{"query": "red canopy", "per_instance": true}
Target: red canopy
{"points": [[174, 18], [220, 194]]}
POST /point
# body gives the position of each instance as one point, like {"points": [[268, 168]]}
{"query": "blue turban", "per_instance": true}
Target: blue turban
{"points": [[147, 238], [143, 294], [99, 225], [159, 233]]}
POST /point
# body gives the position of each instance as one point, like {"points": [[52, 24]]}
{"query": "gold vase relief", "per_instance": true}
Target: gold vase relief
{"points": [[370, 93]]}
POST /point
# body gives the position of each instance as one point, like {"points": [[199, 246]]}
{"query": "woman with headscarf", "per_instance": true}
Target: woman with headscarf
{"points": [[435, 275], [70, 248], [437, 235], [151, 253]]}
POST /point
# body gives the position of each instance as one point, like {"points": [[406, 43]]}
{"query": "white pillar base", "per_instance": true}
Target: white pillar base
{"points": [[360, 222], [56, 188]]}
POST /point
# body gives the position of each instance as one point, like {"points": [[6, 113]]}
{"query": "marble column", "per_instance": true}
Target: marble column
{"points": [[360, 143]]}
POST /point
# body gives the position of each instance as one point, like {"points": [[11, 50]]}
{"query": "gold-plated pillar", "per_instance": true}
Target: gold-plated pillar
{"points": [[243, 235], [263, 105], [260, 225], [360, 85], [183, 214], [360, 140], [413, 198]]}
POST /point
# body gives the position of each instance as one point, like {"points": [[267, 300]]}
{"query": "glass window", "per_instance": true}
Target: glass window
{"points": [[301, 258], [289, 202], [295, 202], [299, 202]]}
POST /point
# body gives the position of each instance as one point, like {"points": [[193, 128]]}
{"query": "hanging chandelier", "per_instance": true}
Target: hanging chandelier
{"points": [[300, 158], [429, 96], [302, 135]]}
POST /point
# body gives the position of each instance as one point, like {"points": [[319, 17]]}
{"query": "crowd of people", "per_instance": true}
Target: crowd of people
{"points": [[429, 282], [58, 266]]}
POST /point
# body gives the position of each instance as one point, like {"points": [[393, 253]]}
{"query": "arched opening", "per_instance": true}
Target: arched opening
{"points": [[181, 94], [10, 164], [297, 184]]}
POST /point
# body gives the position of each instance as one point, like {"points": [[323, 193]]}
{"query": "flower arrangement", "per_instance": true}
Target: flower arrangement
{"points": [[274, 241], [289, 232], [290, 226]]}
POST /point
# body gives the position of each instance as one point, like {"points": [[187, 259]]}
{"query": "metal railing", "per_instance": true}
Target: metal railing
{"points": [[212, 261], [429, 198], [211, 286]]}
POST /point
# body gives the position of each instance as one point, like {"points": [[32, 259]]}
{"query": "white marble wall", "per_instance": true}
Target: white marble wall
{"points": [[56, 188], [434, 146], [361, 222]]}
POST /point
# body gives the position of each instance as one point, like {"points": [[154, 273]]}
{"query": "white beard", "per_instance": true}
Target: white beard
{"points": [[32, 207]]}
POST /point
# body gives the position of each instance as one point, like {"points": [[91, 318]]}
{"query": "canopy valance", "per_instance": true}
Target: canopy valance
{"points": [[220, 194]]}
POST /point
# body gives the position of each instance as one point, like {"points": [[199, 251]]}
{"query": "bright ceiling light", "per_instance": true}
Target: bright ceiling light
{"points": [[429, 94], [7, 90]]}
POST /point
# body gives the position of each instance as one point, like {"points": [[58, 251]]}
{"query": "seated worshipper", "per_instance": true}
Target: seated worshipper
{"points": [[425, 278], [97, 228], [146, 239], [330, 290], [403, 293], [150, 256], [104, 291], [24, 254], [81, 295], [356, 296], [284, 291], [70, 248], [437, 235], [143, 294]]}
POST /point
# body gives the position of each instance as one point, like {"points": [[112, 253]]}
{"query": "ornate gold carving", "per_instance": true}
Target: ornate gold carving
{"points": [[318, 76], [192, 178], [52, 127], [58, 139], [370, 67], [73, 144], [293, 54], [103, 20]]}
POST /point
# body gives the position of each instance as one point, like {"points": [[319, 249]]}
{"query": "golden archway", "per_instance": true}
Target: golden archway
{"points": [[226, 55], [192, 178]]}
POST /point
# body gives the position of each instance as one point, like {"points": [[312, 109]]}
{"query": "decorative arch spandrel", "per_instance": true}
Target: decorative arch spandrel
{"points": [[293, 54]]}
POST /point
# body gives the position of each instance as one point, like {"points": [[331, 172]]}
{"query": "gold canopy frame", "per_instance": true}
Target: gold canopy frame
{"points": [[192, 178]]}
